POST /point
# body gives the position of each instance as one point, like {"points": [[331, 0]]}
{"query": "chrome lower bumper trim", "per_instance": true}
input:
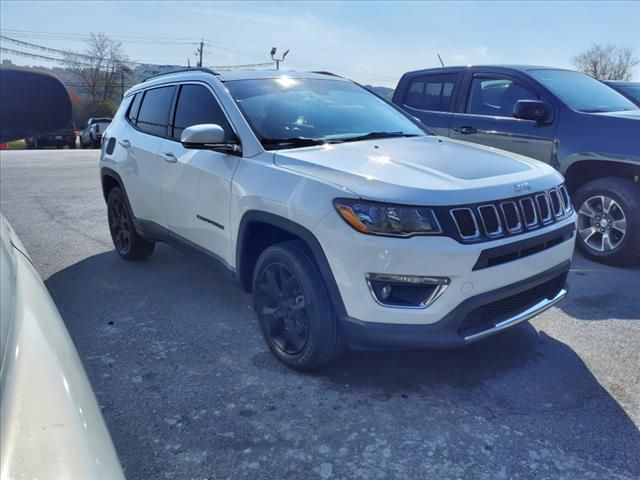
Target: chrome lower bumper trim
{"points": [[530, 312]]}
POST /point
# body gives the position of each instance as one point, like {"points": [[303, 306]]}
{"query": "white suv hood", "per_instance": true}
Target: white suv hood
{"points": [[423, 170]]}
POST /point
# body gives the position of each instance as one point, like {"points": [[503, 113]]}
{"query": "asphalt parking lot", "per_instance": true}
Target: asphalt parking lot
{"points": [[189, 390]]}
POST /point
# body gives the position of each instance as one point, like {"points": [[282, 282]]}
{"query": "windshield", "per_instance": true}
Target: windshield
{"points": [[581, 92], [631, 90], [285, 112]]}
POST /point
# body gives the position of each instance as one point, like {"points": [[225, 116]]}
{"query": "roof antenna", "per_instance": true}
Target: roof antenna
{"points": [[440, 58]]}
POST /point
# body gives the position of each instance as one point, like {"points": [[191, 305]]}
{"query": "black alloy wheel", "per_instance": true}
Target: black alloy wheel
{"points": [[129, 244], [294, 310], [119, 225], [280, 303]]}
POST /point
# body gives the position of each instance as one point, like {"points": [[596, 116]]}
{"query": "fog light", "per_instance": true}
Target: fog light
{"points": [[385, 292], [407, 291]]}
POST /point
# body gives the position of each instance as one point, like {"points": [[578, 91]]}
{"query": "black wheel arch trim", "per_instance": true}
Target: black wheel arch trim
{"points": [[109, 172], [306, 236]]}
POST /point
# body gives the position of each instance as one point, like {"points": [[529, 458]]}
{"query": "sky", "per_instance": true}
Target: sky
{"points": [[372, 42]]}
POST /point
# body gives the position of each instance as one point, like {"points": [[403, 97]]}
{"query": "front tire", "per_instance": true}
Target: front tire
{"points": [[126, 240], [609, 220], [293, 307]]}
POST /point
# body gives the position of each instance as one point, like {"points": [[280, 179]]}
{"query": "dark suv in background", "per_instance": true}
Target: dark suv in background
{"points": [[582, 127]]}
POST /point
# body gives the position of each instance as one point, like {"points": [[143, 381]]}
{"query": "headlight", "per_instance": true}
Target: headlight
{"points": [[385, 219]]}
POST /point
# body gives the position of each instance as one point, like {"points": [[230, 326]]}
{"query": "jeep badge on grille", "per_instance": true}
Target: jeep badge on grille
{"points": [[522, 187]]}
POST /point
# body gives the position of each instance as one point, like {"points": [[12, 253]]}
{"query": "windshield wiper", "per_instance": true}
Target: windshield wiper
{"points": [[293, 141], [374, 135], [597, 110]]}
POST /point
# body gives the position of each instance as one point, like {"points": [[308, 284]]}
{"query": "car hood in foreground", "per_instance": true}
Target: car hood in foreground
{"points": [[424, 170]]}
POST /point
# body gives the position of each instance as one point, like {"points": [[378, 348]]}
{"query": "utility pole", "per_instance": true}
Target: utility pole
{"points": [[199, 52], [277, 60], [122, 83]]}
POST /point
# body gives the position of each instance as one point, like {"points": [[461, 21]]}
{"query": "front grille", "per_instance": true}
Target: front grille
{"points": [[489, 315], [508, 217]]}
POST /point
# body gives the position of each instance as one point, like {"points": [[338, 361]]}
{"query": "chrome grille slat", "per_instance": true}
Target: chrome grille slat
{"points": [[517, 226], [566, 199], [530, 214], [542, 202], [556, 203], [488, 214], [458, 219]]}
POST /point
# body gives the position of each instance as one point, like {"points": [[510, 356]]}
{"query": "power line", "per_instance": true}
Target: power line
{"points": [[185, 40], [37, 56], [42, 47], [67, 61], [84, 37]]}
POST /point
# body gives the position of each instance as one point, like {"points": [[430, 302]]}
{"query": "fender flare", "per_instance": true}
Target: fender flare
{"points": [[306, 236]]}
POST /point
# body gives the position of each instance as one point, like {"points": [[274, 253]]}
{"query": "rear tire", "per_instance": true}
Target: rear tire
{"points": [[126, 240], [609, 220], [294, 311]]}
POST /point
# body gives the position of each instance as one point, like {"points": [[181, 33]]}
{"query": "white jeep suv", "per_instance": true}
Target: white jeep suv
{"points": [[351, 223]]}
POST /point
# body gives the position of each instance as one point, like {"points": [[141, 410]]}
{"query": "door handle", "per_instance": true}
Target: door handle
{"points": [[125, 143], [466, 130], [169, 157]]}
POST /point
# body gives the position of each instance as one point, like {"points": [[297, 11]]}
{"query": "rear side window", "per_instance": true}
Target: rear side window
{"points": [[432, 92], [153, 117], [496, 96], [133, 109], [197, 105]]}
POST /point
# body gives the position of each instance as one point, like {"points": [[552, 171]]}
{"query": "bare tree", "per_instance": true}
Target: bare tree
{"points": [[607, 62], [101, 66]]}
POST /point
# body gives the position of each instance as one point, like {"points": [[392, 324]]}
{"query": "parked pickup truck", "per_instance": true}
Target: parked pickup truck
{"points": [[91, 135], [582, 127]]}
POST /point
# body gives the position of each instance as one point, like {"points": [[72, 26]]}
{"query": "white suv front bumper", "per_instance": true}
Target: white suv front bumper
{"points": [[352, 255]]}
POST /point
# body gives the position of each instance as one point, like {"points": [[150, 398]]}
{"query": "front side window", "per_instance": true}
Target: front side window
{"points": [[431, 93], [153, 117], [582, 92], [496, 96], [197, 105], [316, 110]]}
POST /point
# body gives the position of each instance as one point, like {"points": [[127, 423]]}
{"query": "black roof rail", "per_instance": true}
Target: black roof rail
{"points": [[186, 69], [331, 74]]}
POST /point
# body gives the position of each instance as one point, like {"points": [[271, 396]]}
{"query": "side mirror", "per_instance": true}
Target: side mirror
{"points": [[535, 110], [207, 136]]}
